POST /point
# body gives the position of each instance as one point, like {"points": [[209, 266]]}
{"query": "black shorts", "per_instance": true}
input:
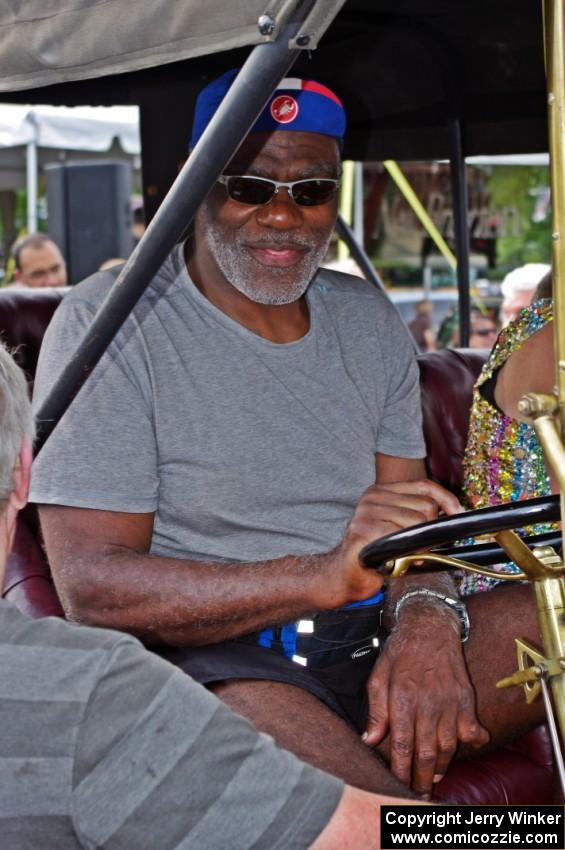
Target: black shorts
{"points": [[340, 685]]}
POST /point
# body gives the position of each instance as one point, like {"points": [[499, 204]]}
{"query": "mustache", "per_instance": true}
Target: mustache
{"points": [[280, 238]]}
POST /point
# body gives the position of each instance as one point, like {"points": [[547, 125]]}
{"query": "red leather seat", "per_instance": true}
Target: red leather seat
{"points": [[28, 583], [447, 378], [522, 773], [24, 316]]}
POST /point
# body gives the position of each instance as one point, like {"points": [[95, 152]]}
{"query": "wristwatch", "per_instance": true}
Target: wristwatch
{"points": [[455, 604]]}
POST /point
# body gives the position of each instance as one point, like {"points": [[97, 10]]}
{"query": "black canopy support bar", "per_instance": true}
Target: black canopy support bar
{"points": [[460, 216], [266, 65], [358, 253]]}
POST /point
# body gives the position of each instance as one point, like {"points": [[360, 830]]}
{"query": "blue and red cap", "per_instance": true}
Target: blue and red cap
{"points": [[297, 105]]}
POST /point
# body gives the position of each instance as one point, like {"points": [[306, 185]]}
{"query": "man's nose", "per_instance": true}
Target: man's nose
{"points": [[281, 212]]}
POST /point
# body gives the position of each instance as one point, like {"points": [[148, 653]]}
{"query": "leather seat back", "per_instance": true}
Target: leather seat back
{"points": [[447, 378], [24, 316]]}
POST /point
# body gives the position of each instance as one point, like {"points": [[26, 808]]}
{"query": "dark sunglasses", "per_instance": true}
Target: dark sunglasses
{"points": [[257, 191]]}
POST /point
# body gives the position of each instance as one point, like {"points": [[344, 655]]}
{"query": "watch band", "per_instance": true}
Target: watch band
{"points": [[455, 604]]}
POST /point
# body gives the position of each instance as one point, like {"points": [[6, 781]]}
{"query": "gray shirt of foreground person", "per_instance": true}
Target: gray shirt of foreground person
{"points": [[245, 449], [105, 745]]}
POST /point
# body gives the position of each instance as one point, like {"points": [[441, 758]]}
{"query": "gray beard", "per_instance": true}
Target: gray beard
{"points": [[263, 284]]}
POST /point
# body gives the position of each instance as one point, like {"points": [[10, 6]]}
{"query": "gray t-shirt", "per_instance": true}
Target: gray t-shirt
{"points": [[105, 745], [245, 449]]}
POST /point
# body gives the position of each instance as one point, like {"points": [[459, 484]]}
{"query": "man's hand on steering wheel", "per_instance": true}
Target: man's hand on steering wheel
{"points": [[382, 509], [419, 692]]}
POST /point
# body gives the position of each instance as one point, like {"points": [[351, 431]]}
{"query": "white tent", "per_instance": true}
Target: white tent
{"points": [[32, 136], [510, 159]]}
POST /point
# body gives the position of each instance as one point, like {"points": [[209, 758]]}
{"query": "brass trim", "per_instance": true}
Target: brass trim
{"points": [[555, 65]]}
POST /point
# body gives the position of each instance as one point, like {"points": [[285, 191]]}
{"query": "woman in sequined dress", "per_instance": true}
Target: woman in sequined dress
{"points": [[503, 458]]}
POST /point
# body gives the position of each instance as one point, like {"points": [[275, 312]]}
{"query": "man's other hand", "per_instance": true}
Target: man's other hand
{"points": [[419, 692]]}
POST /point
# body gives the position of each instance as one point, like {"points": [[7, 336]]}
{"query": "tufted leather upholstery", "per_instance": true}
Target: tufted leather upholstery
{"points": [[519, 774], [522, 773], [24, 315], [446, 379], [28, 582]]}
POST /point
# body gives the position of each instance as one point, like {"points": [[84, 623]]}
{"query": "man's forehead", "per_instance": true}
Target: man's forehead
{"points": [[283, 147], [44, 246], [35, 252]]}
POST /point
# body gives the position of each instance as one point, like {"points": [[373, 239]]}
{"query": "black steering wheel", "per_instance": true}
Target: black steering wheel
{"points": [[438, 535]]}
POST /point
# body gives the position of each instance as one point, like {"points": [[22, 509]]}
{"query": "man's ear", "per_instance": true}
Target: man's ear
{"points": [[17, 275], [21, 477]]}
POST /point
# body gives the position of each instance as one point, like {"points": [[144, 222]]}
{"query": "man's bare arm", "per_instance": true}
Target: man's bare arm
{"points": [[106, 577], [356, 823]]}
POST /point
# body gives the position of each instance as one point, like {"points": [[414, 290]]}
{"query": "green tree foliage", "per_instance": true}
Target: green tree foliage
{"points": [[520, 186]]}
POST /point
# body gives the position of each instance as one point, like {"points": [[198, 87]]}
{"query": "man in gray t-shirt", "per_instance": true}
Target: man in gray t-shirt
{"points": [[252, 426]]}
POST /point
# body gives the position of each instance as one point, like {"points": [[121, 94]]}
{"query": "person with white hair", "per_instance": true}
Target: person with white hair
{"points": [[518, 289], [106, 745]]}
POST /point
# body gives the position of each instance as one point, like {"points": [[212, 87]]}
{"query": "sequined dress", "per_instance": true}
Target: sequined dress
{"points": [[503, 458]]}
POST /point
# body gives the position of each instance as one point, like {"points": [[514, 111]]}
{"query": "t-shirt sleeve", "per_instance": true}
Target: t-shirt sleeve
{"points": [[160, 762], [400, 429], [102, 454]]}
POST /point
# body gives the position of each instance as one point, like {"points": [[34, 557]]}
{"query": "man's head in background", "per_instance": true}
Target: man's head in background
{"points": [[17, 432], [39, 262], [483, 330], [518, 289], [263, 238]]}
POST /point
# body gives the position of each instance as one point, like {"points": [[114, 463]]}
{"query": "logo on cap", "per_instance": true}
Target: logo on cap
{"points": [[284, 109]]}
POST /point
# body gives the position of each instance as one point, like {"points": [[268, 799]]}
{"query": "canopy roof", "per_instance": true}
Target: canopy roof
{"points": [[82, 128], [93, 38]]}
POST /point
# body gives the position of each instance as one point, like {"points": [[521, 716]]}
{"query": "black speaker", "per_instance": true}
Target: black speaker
{"points": [[89, 213]]}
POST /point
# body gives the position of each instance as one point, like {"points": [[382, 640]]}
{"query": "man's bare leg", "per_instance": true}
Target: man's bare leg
{"points": [[302, 724], [497, 617]]}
